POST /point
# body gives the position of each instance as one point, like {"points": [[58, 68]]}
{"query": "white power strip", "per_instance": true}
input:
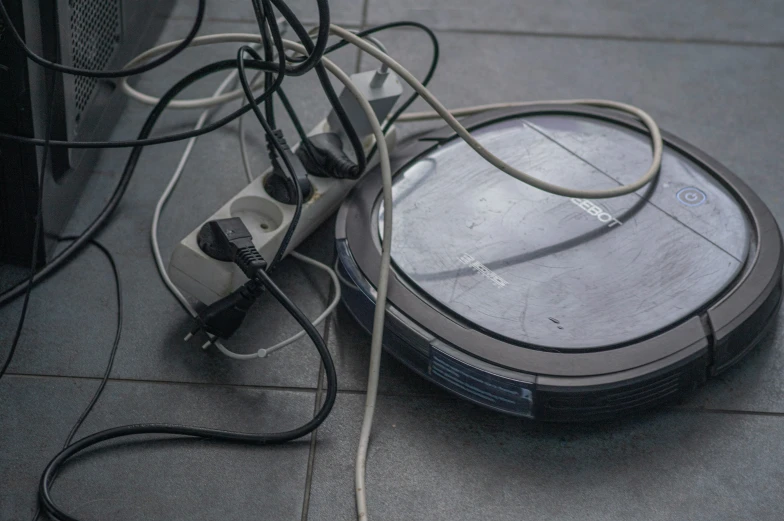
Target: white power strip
{"points": [[208, 280]]}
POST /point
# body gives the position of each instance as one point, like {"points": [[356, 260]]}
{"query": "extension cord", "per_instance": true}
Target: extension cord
{"points": [[208, 279]]}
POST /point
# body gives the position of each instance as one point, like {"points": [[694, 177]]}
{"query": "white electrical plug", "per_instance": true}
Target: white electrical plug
{"points": [[381, 88]]}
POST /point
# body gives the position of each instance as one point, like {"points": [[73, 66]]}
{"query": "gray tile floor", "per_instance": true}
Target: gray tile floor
{"points": [[711, 72]]}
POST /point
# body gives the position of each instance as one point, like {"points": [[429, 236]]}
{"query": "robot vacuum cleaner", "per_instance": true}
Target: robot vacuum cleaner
{"points": [[554, 308]]}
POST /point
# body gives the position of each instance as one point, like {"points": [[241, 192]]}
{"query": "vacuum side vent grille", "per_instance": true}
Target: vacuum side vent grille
{"points": [[746, 336], [95, 35], [481, 387], [620, 400], [582, 404]]}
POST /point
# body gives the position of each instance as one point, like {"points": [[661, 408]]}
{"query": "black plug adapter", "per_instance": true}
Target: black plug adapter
{"points": [[279, 185], [322, 155], [229, 240], [225, 316]]}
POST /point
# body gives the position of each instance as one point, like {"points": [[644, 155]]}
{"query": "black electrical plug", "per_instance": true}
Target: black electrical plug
{"points": [[323, 156], [230, 240], [225, 316], [279, 185]]}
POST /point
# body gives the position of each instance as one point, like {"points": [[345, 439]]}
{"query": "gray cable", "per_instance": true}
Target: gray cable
{"points": [[409, 78]]}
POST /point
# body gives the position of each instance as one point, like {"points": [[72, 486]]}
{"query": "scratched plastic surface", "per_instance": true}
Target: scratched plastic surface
{"points": [[561, 273]]}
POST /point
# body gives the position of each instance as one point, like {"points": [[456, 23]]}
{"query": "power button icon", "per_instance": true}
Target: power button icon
{"points": [[691, 196]]}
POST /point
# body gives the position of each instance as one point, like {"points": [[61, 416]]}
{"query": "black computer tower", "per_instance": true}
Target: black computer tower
{"points": [[91, 34]]}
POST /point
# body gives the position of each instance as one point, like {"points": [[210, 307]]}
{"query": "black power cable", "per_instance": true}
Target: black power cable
{"points": [[321, 72], [314, 58], [395, 25], [303, 136], [245, 49], [105, 74], [263, 14], [79, 241], [425, 81], [27, 286], [130, 166], [323, 78], [112, 353], [130, 143], [302, 69], [52, 469], [115, 343], [326, 85], [119, 191]]}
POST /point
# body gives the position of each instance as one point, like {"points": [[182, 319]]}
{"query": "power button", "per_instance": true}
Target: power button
{"points": [[691, 196]]}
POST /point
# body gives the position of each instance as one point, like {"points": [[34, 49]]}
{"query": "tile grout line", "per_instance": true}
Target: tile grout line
{"points": [[535, 34], [314, 436], [611, 37], [601, 37], [730, 412], [165, 382], [245, 21], [519, 32], [312, 451], [358, 392]]}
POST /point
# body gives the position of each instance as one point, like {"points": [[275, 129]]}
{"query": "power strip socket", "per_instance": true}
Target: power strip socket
{"points": [[208, 280]]}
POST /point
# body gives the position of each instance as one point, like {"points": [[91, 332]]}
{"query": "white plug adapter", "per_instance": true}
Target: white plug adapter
{"points": [[381, 88]]}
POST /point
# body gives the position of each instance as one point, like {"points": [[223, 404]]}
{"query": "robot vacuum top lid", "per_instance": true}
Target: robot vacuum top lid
{"points": [[555, 273]]}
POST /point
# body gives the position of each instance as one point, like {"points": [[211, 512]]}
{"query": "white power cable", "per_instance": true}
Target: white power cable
{"points": [[156, 251], [378, 319], [213, 101], [198, 103], [496, 161], [381, 289], [478, 109], [193, 103], [265, 351], [327, 311], [383, 277], [341, 278]]}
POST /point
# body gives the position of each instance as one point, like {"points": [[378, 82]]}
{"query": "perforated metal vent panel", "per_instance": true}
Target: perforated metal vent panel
{"points": [[95, 35]]}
